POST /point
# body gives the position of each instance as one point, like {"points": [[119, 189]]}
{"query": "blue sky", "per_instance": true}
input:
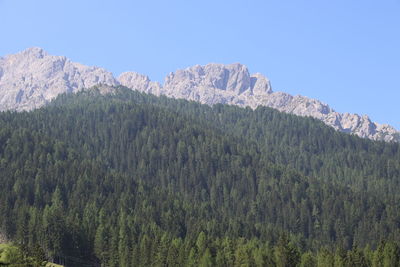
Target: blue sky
{"points": [[343, 52]]}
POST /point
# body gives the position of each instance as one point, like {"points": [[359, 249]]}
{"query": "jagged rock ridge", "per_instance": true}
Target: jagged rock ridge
{"points": [[32, 78], [233, 84]]}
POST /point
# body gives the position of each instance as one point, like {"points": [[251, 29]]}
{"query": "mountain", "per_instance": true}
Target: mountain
{"points": [[131, 179], [31, 78], [233, 84]]}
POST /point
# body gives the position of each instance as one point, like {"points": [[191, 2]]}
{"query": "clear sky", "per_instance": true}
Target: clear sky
{"points": [[344, 52]]}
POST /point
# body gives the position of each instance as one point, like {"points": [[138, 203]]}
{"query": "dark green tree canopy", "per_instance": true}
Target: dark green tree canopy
{"points": [[130, 179]]}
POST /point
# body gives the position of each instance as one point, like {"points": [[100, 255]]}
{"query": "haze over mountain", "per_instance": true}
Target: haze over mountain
{"points": [[32, 78]]}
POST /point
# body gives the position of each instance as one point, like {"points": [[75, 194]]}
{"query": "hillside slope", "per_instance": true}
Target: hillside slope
{"points": [[119, 178]]}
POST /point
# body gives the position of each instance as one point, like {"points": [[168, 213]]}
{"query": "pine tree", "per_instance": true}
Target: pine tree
{"points": [[285, 254], [308, 260], [391, 255], [206, 259]]}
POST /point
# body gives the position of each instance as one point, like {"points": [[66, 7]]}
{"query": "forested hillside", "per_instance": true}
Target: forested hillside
{"points": [[129, 179]]}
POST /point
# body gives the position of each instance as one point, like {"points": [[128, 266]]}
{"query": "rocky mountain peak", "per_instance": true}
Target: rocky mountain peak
{"points": [[34, 52], [260, 84], [32, 78], [232, 78], [139, 82], [232, 84]]}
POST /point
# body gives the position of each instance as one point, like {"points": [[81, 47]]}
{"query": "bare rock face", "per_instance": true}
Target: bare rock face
{"points": [[32, 78], [140, 83], [233, 84], [260, 85], [214, 81], [209, 84]]}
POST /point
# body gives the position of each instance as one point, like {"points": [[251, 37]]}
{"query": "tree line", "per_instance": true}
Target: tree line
{"points": [[131, 179]]}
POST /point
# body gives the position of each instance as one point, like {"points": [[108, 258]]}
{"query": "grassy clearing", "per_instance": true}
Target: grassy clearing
{"points": [[9, 254], [12, 255]]}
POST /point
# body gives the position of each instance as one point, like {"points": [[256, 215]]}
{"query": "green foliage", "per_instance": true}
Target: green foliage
{"points": [[134, 180], [286, 255], [308, 260], [14, 256]]}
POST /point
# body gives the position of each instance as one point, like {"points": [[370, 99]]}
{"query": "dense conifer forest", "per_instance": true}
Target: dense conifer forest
{"points": [[129, 179]]}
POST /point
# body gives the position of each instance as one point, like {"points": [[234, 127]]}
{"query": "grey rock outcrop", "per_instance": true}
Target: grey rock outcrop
{"points": [[233, 84], [139, 82], [32, 78], [210, 84]]}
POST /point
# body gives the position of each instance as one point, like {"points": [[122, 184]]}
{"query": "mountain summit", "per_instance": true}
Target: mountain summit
{"points": [[32, 78]]}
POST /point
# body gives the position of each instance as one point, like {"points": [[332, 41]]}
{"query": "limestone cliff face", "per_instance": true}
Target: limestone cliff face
{"points": [[32, 78], [139, 82], [233, 84], [210, 84]]}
